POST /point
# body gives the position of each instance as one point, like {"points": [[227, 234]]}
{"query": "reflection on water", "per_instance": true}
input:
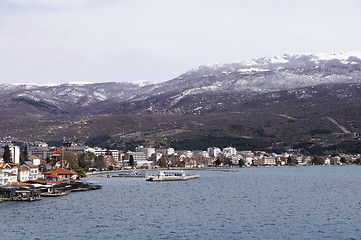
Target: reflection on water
{"points": [[254, 203]]}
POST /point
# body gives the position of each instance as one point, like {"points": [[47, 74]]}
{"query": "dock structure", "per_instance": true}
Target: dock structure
{"points": [[17, 193], [32, 192]]}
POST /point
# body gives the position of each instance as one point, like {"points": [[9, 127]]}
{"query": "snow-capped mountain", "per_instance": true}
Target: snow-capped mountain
{"points": [[258, 76], [289, 71], [71, 95], [277, 73], [284, 99]]}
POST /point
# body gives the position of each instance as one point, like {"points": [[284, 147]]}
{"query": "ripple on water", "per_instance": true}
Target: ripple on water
{"points": [[255, 203]]}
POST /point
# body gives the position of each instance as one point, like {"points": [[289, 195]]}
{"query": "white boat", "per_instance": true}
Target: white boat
{"points": [[171, 175]]}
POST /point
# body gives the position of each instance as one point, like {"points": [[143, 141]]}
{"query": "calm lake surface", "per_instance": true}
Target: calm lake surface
{"points": [[254, 203]]}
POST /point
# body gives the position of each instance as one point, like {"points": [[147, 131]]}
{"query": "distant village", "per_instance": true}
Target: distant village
{"points": [[71, 161]]}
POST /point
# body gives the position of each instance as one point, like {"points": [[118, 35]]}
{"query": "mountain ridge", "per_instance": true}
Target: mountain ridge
{"points": [[252, 97]]}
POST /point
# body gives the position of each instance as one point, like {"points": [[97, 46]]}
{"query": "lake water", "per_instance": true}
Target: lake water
{"points": [[254, 203]]}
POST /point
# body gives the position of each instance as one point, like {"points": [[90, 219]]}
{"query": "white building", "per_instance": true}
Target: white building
{"points": [[267, 161], [8, 173], [248, 160], [148, 151], [101, 151], [143, 163], [36, 161], [15, 154], [213, 151], [138, 156], [201, 154], [14, 151], [189, 154], [229, 151], [166, 150], [4, 178], [34, 172], [235, 159], [156, 156]]}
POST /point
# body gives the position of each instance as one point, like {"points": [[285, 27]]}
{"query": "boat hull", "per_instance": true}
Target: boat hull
{"points": [[171, 178]]}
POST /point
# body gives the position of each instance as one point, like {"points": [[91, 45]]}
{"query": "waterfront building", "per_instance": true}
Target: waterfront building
{"points": [[8, 173], [248, 160], [213, 151], [335, 160], [267, 161], [166, 150], [5, 177], [156, 156], [189, 154], [34, 172], [138, 156], [282, 160], [148, 151], [24, 173], [201, 154], [143, 163], [59, 174], [229, 151], [235, 159]]}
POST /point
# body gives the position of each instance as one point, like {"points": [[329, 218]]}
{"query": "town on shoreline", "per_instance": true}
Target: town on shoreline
{"points": [[42, 170], [39, 161]]}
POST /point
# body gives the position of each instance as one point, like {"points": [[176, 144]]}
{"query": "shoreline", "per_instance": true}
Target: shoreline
{"points": [[89, 174]]}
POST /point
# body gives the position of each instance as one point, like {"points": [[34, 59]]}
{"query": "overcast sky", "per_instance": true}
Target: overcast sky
{"points": [[58, 41]]}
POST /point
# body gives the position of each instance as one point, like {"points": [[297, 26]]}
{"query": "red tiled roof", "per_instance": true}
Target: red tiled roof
{"points": [[20, 183], [4, 165], [32, 166], [36, 181], [24, 168], [60, 171], [53, 175]]}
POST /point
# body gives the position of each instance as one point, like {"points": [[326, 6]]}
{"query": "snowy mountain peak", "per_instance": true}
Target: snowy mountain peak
{"points": [[339, 55], [142, 83], [284, 72], [280, 61]]}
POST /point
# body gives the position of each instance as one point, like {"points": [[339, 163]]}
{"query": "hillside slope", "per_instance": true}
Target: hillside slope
{"points": [[288, 101]]}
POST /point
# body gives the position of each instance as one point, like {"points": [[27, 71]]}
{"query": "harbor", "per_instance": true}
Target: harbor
{"points": [[36, 189]]}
